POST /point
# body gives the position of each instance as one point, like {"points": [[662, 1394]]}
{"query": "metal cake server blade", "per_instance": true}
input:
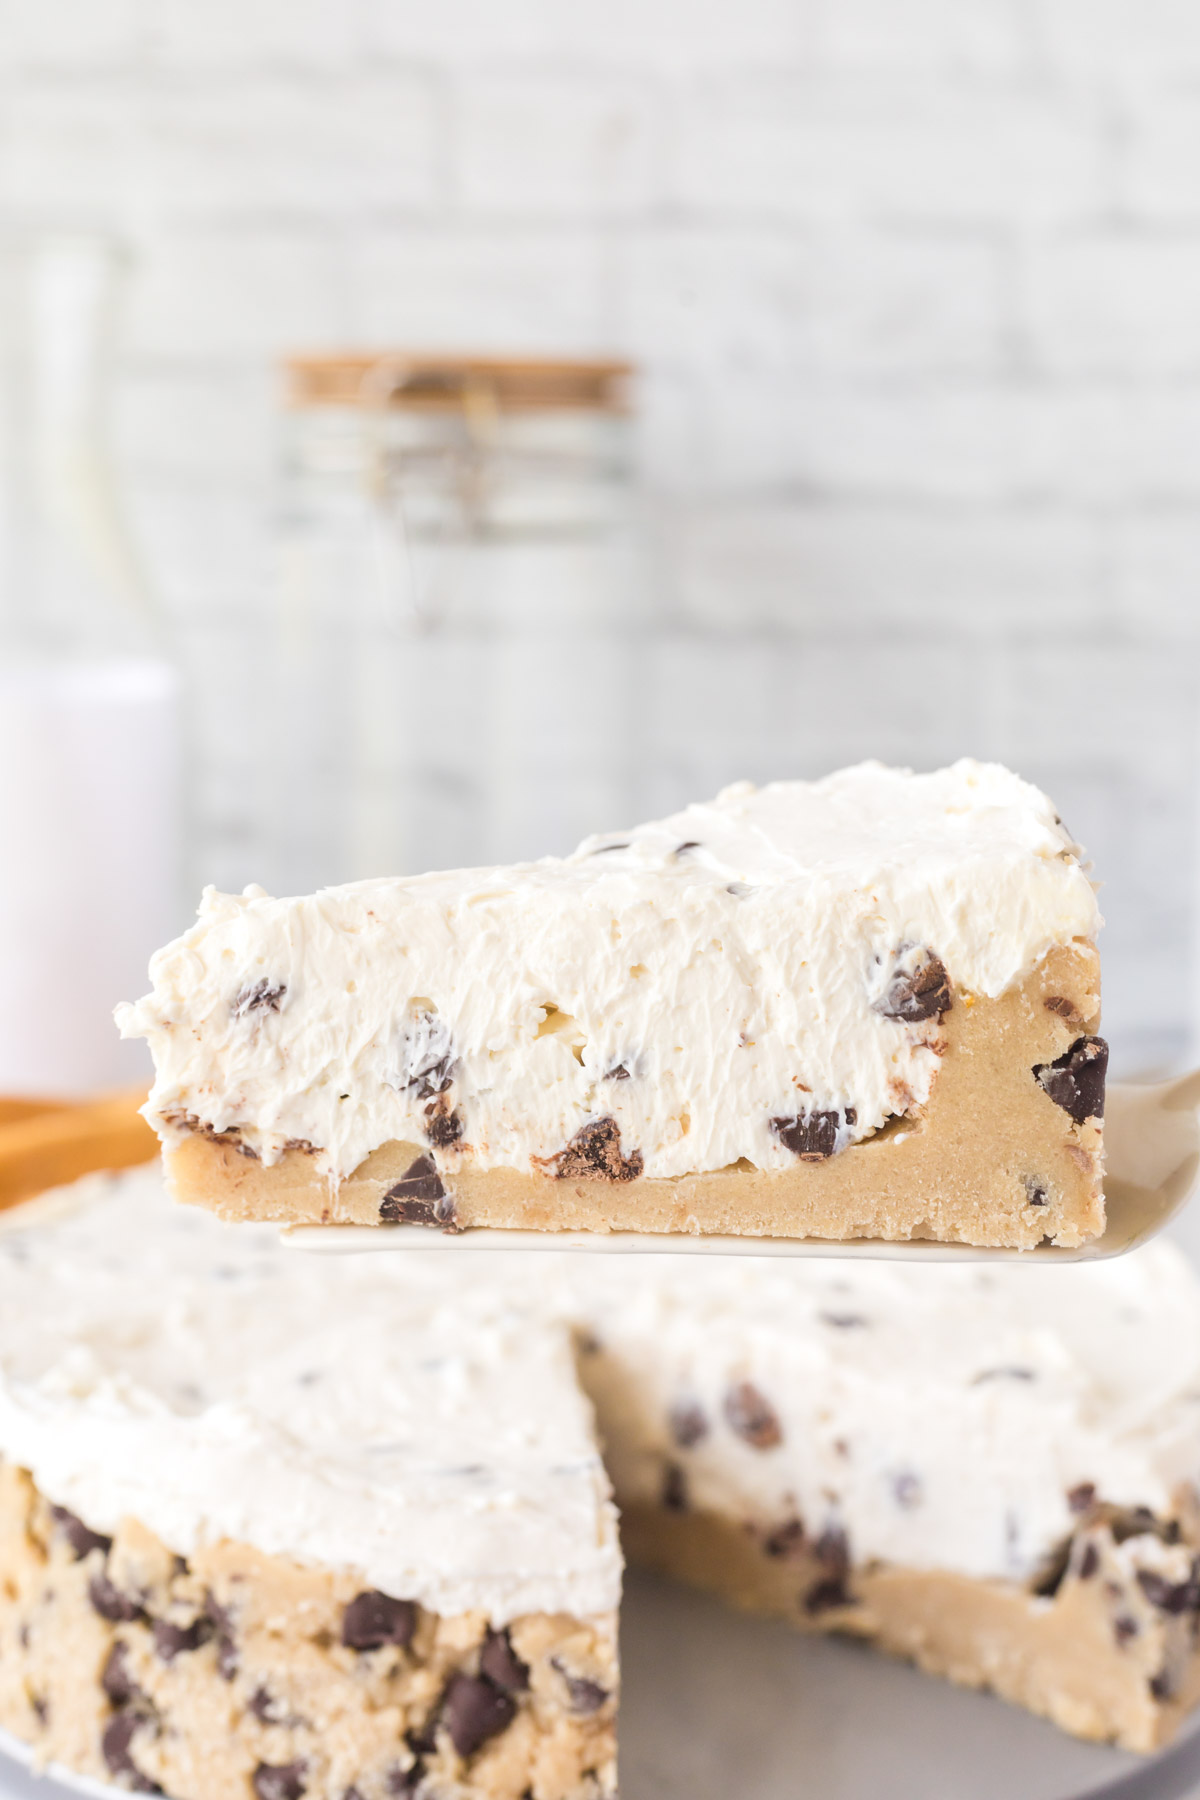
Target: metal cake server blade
{"points": [[1152, 1146]]}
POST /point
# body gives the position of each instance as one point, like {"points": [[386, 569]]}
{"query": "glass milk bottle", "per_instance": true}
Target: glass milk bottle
{"points": [[464, 584], [89, 810]]}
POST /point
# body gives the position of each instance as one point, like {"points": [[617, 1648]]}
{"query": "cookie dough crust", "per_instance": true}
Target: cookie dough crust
{"points": [[992, 1159], [1096, 1655], [226, 1675]]}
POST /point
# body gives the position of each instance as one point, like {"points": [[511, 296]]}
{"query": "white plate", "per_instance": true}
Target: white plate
{"points": [[721, 1707]]}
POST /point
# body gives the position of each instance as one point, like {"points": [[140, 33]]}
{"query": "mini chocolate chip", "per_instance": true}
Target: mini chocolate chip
{"points": [[603, 849], [403, 1783], [429, 1057], [1161, 1686], [688, 1423], [41, 1708], [257, 996], [171, 1641], [1172, 1597], [1075, 1080], [264, 1706], [826, 1594], [473, 1711], [443, 1128], [618, 1072], [832, 1550], [844, 1321], [1056, 1003], [682, 849], [674, 1488], [1035, 1192], [418, 1198], [501, 1664], [1013, 1374], [116, 1680], [585, 1696], [111, 1603], [373, 1619], [114, 1747], [752, 1416], [594, 1154], [1081, 1496], [922, 992], [280, 1781], [786, 1539], [1125, 1628], [227, 1656], [1089, 1562], [907, 1490], [813, 1136], [81, 1537]]}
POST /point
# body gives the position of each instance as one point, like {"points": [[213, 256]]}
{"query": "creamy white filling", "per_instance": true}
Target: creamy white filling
{"points": [[939, 1416], [693, 979], [157, 1364]]}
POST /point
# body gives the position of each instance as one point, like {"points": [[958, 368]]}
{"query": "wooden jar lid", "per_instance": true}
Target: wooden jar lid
{"points": [[421, 382]]}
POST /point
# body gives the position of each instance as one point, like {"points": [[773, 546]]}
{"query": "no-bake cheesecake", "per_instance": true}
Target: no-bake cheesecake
{"points": [[860, 1007]]}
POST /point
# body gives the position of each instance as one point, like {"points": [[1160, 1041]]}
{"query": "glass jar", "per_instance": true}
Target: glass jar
{"points": [[463, 585]]}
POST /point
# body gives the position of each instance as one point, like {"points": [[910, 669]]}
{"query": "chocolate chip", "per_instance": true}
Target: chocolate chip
{"points": [[81, 1537], [116, 1680], [258, 996], [674, 1488], [1011, 1374], [403, 1783], [279, 1781], [618, 1072], [1052, 1572], [1081, 1496], [501, 1664], [418, 1198], [1161, 1686], [814, 1136], [1075, 1080], [265, 1706], [688, 1423], [41, 1708], [114, 1747], [826, 1594], [907, 1490], [1035, 1192], [682, 849], [752, 1417], [111, 1603], [832, 1553], [919, 992], [1173, 1597], [171, 1641], [442, 1128], [585, 1696], [373, 1619], [1089, 1562], [227, 1656], [844, 1321], [1065, 1009], [473, 1711], [603, 849], [786, 1539], [594, 1154], [1125, 1628]]}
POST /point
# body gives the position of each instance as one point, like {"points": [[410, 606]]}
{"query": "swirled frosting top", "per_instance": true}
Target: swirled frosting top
{"points": [[688, 978]]}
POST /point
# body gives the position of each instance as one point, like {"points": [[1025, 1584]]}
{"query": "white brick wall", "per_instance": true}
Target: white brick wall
{"points": [[915, 286]]}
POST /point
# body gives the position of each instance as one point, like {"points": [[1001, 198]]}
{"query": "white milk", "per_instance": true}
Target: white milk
{"points": [[89, 834]]}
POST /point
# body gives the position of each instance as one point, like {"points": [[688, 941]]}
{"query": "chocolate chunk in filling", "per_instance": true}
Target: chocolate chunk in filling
{"points": [[1171, 1597], [1075, 1080], [427, 1057], [443, 1127], [418, 1198], [816, 1135], [257, 996], [373, 1619], [585, 1696], [501, 1664], [80, 1536], [919, 988], [474, 1710], [752, 1416], [594, 1154], [688, 1422], [280, 1781]]}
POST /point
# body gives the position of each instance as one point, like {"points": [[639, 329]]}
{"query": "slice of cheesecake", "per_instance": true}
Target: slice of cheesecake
{"points": [[281, 1532], [859, 1007]]}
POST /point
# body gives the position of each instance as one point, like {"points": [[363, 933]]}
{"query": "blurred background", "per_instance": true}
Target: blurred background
{"points": [[433, 432]]}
